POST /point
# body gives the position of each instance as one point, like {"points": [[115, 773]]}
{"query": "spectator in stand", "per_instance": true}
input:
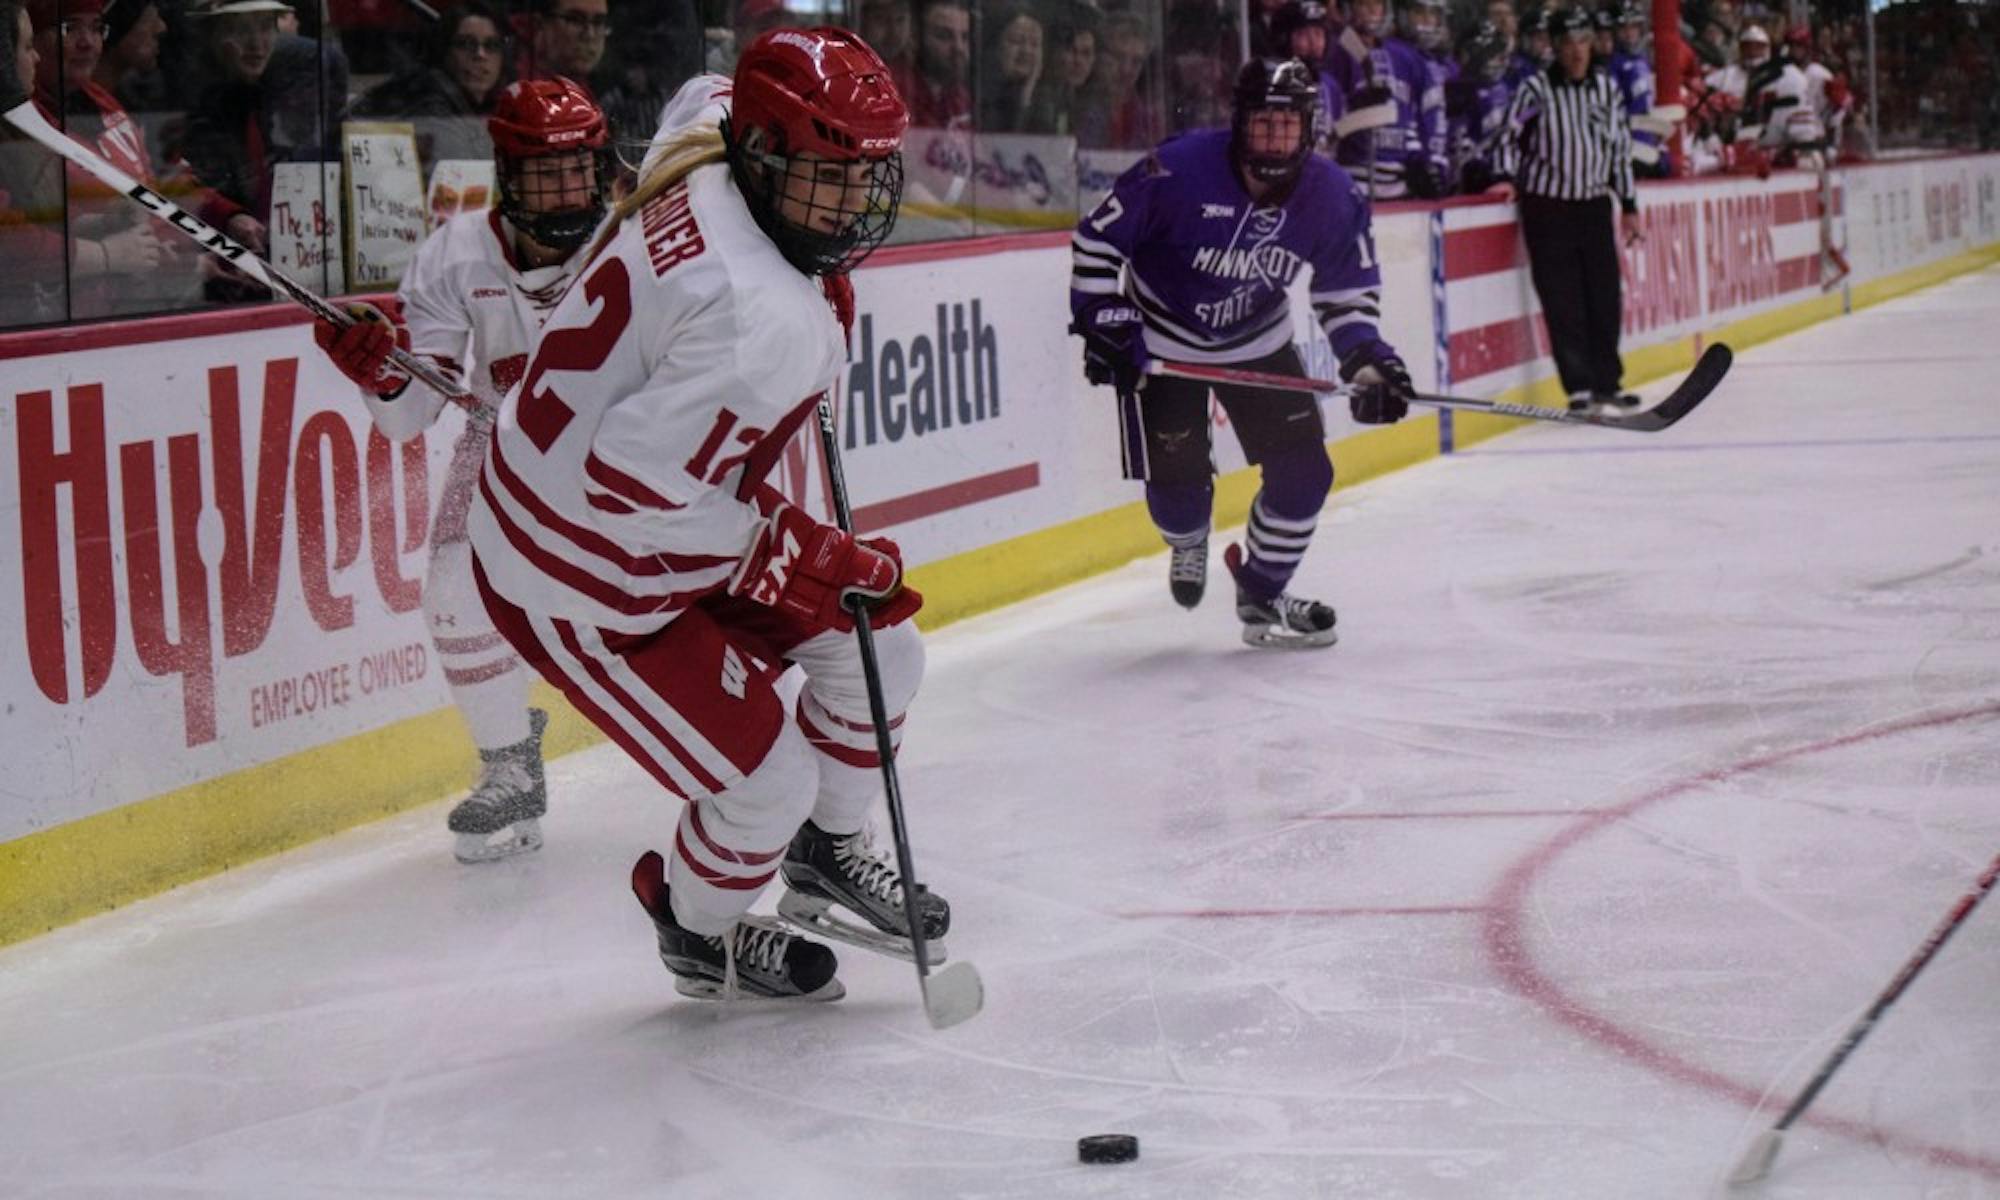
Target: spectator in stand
{"points": [[942, 95], [107, 232], [31, 216], [257, 99], [1265, 40], [566, 38], [887, 26], [1013, 97], [129, 67], [448, 100], [1200, 64], [1075, 60], [660, 46], [1121, 113]]}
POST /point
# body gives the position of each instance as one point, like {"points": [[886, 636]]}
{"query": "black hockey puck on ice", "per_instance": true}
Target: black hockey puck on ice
{"points": [[1107, 1148]]}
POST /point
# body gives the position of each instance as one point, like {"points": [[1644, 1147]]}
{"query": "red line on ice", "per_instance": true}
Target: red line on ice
{"points": [[1507, 947]]}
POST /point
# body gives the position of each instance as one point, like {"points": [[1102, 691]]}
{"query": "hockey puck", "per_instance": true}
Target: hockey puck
{"points": [[1107, 1148]]}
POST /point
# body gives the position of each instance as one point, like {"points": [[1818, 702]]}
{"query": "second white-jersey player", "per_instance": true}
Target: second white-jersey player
{"points": [[629, 547], [472, 302]]}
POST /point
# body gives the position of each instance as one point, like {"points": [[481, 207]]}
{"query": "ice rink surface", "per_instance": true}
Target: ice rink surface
{"points": [[1643, 764]]}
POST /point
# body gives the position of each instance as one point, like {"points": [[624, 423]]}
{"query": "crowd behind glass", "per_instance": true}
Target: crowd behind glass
{"points": [[1024, 110]]}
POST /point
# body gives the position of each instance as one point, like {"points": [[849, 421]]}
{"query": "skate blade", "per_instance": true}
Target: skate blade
{"points": [[522, 837], [815, 916], [711, 989], [1270, 637]]}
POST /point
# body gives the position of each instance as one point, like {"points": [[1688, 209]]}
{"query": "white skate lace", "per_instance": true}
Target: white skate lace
{"points": [[872, 874], [499, 781], [1189, 565], [761, 946]]}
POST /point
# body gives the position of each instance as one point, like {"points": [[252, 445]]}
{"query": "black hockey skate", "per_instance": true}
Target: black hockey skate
{"points": [[758, 957], [1187, 573], [1283, 621], [1625, 400], [501, 818], [822, 870]]}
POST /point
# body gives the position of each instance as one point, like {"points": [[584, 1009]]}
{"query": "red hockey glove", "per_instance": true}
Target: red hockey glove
{"points": [[839, 290], [816, 573], [361, 350]]}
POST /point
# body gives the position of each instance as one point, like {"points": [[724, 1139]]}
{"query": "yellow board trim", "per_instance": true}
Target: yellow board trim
{"points": [[88, 866]]}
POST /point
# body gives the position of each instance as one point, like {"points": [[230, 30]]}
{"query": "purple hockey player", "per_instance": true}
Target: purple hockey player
{"points": [[1632, 70], [1189, 259], [1476, 103], [1406, 157]]}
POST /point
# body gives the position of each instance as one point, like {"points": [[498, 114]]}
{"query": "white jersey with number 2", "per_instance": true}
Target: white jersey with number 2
{"points": [[659, 394]]}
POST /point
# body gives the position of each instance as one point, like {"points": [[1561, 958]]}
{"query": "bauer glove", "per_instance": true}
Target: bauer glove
{"points": [[1382, 387], [1114, 343]]}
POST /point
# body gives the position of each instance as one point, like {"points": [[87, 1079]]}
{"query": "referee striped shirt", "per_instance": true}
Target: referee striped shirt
{"points": [[1568, 140]]}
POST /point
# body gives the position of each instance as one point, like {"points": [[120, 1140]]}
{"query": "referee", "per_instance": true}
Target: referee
{"points": [[1565, 148]]}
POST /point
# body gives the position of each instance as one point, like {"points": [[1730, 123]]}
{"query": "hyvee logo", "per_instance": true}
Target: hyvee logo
{"points": [[920, 385], [341, 491]]}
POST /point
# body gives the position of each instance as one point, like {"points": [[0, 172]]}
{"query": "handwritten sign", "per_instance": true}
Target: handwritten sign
{"points": [[385, 202], [304, 226], [460, 185]]}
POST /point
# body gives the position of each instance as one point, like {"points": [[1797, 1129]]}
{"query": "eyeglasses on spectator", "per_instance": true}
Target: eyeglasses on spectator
{"points": [[598, 23]]}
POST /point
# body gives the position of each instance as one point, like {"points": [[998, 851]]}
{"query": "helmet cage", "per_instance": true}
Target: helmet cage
{"points": [[1379, 26], [1486, 53], [1287, 85], [1425, 21], [528, 199], [767, 176]]}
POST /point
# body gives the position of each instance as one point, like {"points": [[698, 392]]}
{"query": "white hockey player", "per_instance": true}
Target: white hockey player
{"points": [[471, 303], [629, 547]]}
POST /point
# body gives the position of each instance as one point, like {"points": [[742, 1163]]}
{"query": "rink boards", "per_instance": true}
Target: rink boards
{"points": [[213, 571]]}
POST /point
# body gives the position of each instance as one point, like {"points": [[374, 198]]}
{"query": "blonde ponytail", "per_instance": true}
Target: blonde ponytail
{"points": [[672, 159]]}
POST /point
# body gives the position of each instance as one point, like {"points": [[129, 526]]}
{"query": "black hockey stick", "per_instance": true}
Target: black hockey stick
{"points": [[1708, 372], [1757, 1159], [956, 993], [20, 112]]}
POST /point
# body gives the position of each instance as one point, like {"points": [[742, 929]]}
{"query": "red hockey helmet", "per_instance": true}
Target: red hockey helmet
{"points": [[550, 119], [810, 96]]}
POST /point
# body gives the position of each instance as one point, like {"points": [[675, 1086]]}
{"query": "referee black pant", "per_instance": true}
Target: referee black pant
{"points": [[1573, 257]]}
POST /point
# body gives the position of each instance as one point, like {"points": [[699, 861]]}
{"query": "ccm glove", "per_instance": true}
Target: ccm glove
{"points": [[1114, 343], [820, 574], [361, 350], [1382, 387]]}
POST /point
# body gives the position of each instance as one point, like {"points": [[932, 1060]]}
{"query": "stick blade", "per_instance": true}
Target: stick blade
{"points": [[953, 995], [1756, 1160], [1708, 372]]}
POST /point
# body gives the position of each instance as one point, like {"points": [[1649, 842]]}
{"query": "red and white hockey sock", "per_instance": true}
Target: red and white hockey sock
{"points": [[850, 765]]}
